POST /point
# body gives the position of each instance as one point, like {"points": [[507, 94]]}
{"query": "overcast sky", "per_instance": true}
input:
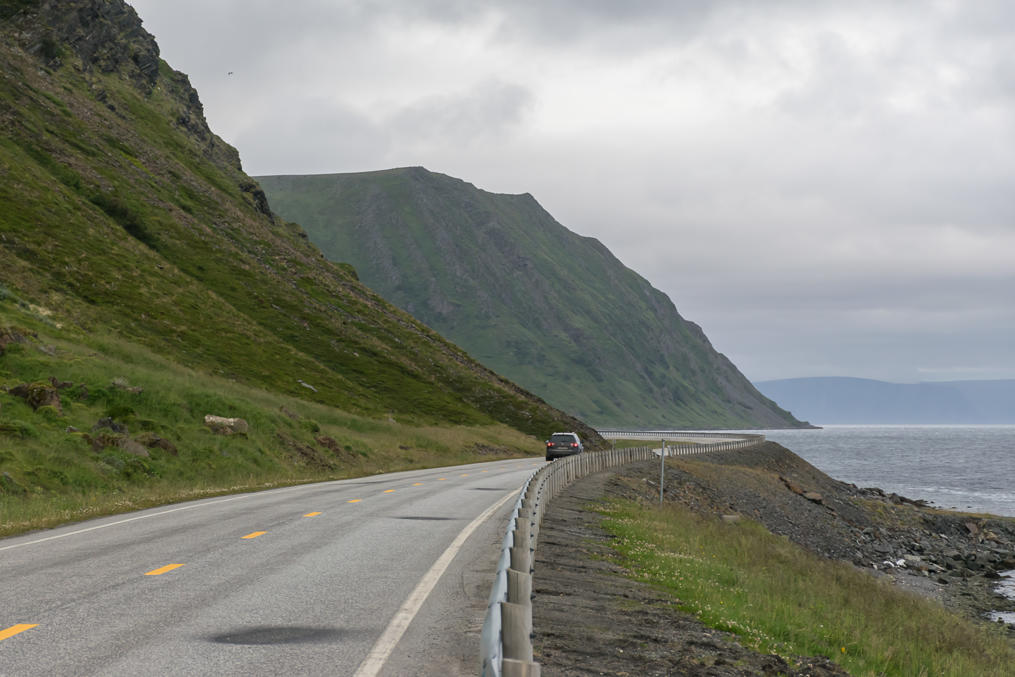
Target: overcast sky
{"points": [[828, 189]]}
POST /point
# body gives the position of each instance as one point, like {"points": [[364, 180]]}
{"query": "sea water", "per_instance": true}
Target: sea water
{"points": [[967, 468]]}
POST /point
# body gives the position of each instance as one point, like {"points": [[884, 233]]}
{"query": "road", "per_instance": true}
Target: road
{"points": [[303, 580]]}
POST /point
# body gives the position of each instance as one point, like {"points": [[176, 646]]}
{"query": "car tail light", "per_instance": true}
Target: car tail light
{"points": [[574, 444]]}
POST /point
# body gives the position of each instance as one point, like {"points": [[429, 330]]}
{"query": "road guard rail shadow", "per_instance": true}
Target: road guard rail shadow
{"points": [[506, 640]]}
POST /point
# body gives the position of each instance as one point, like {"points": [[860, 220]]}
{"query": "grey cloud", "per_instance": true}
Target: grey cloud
{"points": [[879, 341], [318, 138], [984, 19], [558, 15], [604, 24], [488, 109], [829, 191], [837, 86]]}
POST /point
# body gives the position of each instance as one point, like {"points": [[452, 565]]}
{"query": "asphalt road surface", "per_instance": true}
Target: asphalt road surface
{"points": [[384, 575]]}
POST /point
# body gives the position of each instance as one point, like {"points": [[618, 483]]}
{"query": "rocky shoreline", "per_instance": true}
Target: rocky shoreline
{"points": [[956, 558]]}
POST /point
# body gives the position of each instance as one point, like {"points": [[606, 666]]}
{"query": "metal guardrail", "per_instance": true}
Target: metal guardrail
{"points": [[506, 639], [674, 435]]}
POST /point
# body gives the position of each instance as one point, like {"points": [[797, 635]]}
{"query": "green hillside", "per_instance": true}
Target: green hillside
{"points": [[131, 239], [549, 309]]}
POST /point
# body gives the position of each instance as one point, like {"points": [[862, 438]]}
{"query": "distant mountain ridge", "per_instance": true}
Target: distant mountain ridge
{"points": [[855, 400], [552, 310]]}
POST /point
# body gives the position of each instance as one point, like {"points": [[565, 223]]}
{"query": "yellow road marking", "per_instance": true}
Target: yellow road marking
{"points": [[312, 514], [15, 629], [464, 474], [255, 534], [388, 491], [441, 479], [162, 570], [417, 484], [484, 471], [354, 500]]}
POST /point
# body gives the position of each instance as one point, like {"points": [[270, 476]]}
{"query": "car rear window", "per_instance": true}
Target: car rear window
{"points": [[562, 438]]}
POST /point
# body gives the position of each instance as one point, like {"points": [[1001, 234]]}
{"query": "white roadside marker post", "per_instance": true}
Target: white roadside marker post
{"points": [[662, 471]]}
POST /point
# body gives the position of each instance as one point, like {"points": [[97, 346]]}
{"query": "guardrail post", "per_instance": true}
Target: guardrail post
{"points": [[519, 587], [516, 624], [513, 668], [523, 532], [521, 558]]}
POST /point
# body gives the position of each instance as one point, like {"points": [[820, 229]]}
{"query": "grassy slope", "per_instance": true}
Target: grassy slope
{"points": [[57, 465], [779, 598], [126, 225], [556, 312]]}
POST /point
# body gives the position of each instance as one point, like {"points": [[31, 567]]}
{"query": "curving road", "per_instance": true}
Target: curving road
{"points": [[383, 575]]}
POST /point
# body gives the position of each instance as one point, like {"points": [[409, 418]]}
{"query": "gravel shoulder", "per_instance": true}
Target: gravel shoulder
{"points": [[589, 619]]}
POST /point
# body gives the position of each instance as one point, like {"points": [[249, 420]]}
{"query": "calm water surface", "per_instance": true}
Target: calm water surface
{"points": [[969, 468]]}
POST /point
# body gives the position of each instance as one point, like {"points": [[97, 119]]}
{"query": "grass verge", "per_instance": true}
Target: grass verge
{"points": [[126, 431], [778, 598], [653, 444]]}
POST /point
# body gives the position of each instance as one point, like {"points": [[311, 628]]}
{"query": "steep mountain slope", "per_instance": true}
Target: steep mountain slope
{"points": [[858, 400], [122, 213], [549, 309]]}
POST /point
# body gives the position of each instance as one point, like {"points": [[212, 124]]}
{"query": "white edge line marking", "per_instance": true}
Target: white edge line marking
{"points": [[387, 642], [124, 521]]}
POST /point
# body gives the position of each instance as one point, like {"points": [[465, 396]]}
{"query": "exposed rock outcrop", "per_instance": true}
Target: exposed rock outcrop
{"points": [[226, 426], [107, 36], [100, 35], [153, 441], [38, 395], [12, 335]]}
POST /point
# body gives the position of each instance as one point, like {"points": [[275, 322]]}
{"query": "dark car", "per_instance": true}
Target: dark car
{"points": [[563, 444]]}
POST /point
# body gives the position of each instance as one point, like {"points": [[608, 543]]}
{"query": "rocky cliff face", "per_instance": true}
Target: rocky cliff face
{"points": [[94, 35], [104, 37]]}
